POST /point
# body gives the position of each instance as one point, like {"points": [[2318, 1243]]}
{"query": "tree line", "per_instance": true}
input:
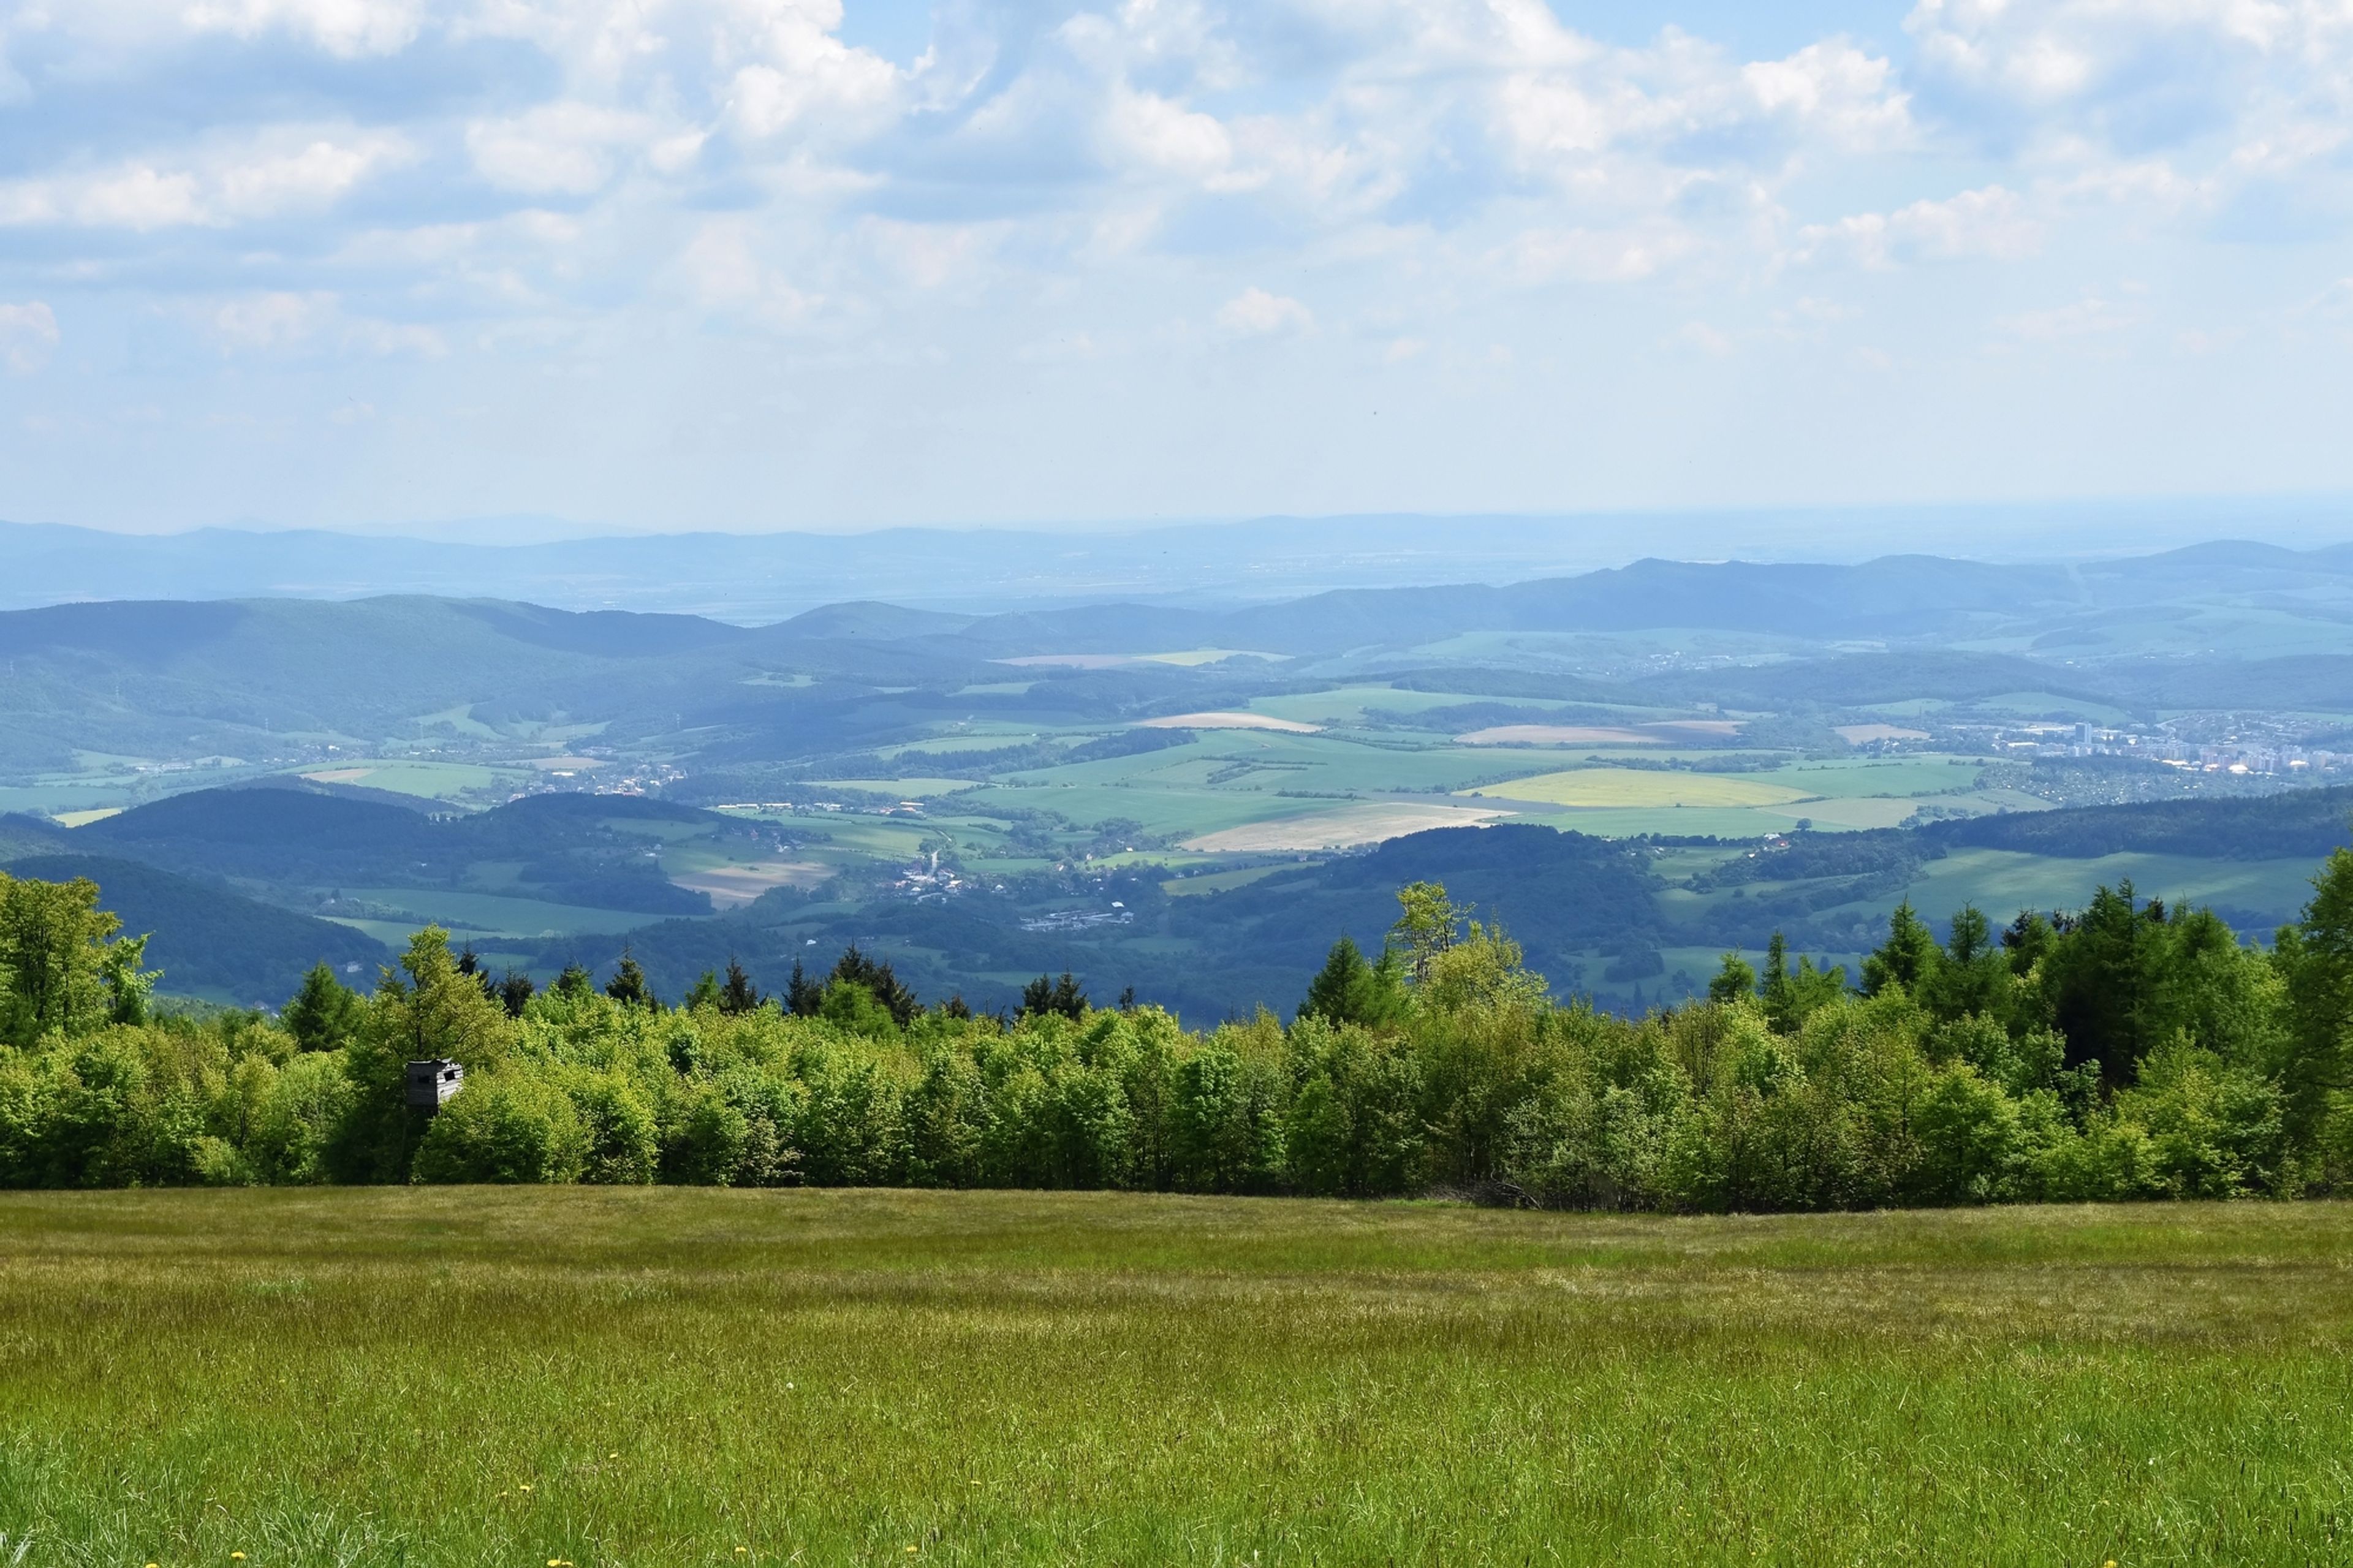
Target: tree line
{"points": [[2124, 1050]]}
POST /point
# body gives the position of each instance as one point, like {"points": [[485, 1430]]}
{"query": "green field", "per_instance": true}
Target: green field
{"points": [[683, 1376], [2002, 882]]}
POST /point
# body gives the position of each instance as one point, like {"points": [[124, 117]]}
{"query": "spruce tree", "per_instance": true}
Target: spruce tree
{"points": [[325, 1013], [802, 996], [627, 985], [738, 995]]}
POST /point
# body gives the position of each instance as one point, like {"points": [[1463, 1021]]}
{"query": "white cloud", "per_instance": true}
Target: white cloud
{"points": [[263, 322], [567, 148], [725, 274], [1255, 313], [259, 177], [553, 187], [283, 321], [1990, 223], [2088, 317], [345, 27], [28, 334]]}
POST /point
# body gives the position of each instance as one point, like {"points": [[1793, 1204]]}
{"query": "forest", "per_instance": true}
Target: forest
{"points": [[2123, 1050]]}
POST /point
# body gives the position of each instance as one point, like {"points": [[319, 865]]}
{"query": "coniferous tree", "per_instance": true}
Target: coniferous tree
{"points": [[1907, 958], [2103, 973], [627, 985], [1347, 990], [738, 995], [1973, 978], [515, 992], [2315, 958], [1736, 982], [854, 968], [574, 982], [325, 1015], [1045, 995], [703, 992], [802, 996]]}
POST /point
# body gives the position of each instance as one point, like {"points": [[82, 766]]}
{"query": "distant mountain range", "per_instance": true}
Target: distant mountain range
{"points": [[753, 578], [2214, 625]]}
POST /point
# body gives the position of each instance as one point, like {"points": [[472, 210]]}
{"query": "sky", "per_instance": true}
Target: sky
{"points": [[809, 264]]}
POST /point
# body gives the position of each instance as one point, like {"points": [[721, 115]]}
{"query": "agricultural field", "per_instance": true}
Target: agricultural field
{"points": [[689, 1376], [471, 783], [1827, 796]]}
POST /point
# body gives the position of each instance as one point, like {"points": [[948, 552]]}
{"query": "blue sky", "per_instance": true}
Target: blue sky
{"points": [[770, 263]]}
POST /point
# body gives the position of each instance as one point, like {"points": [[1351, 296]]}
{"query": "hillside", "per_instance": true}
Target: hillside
{"points": [[210, 941]]}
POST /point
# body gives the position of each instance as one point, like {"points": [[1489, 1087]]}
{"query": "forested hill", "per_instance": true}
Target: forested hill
{"points": [[167, 680], [209, 940], [567, 849], [1593, 915], [2296, 824]]}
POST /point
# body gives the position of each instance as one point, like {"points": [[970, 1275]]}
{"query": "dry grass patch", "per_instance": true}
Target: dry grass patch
{"points": [[1235, 721], [1604, 788], [1372, 824]]}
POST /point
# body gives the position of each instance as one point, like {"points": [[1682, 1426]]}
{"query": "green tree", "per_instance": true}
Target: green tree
{"points": [[852, 1008], [513, 991], [63, 967], [802, 996], [628, 986], [1428, 925], [2314, 957], [854, 968], [1063, 998], [325, 1014], [1907, 958], [1734, 981], [2104, 975], [738, 995], [426, 1009], [1972, 977], [1347, 990]]}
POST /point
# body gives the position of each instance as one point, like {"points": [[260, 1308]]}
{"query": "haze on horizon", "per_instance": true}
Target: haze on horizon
{"points": [[781, 264]]}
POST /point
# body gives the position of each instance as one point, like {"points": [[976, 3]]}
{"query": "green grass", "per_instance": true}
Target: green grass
{"points": [[664, 1376]]}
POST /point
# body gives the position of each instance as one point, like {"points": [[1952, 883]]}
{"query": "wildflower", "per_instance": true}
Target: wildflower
{"points": [[524, 1485]]}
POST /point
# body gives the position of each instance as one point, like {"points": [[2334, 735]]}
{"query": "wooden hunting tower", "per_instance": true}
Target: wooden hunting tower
{"points": [[431, 1083]]}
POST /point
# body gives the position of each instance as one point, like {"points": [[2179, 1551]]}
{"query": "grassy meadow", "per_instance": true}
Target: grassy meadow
{"points": [[690, 1376]]}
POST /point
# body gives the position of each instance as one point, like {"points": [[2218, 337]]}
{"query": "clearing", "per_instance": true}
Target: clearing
{"points": [[730, 885], [448, 1378]]}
